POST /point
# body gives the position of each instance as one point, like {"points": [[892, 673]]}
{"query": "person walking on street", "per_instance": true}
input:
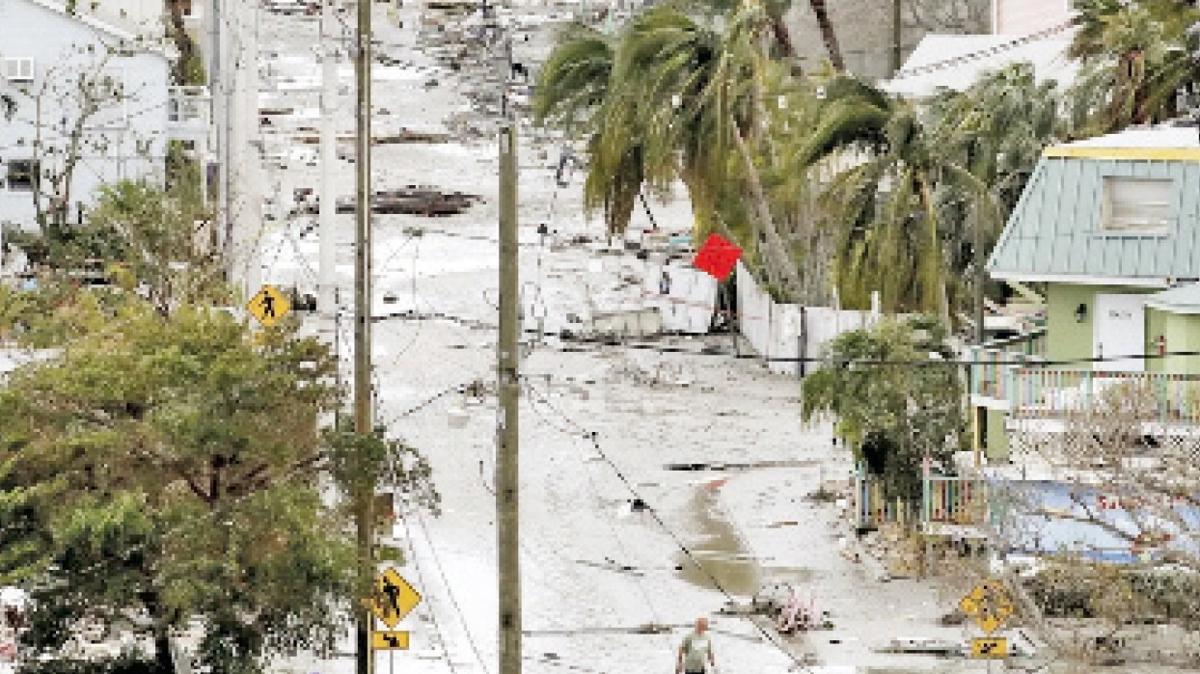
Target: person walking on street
{"points": [[695, 651]]}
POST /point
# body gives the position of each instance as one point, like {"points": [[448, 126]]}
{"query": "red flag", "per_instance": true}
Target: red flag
{"points": [[717, 256]]}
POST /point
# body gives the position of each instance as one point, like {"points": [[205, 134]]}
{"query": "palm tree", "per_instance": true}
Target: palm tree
{"points": [[679, 98], [1137, 56], [884, 206], [991, 137]]}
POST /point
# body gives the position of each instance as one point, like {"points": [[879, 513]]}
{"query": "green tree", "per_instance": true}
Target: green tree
{"points": [[895, 402], [1137, 56], [677, 97], [165, 467], [989, 138], [883, 206]]}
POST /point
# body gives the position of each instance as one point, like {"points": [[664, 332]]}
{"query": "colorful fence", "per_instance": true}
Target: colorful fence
{"points": [[944, 499]]}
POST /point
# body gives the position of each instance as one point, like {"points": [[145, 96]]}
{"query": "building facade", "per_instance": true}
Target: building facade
{"points": [[866, 32], [88, 107], [1110, 228], [1025, 17]]}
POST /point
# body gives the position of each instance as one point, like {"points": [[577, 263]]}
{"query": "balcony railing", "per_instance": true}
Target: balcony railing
{"points": [[991, 377], [188, 107], [1036, 392]]}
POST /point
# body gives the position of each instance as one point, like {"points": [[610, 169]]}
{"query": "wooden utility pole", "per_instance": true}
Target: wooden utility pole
{"points": [[896, 33], [363, 423], [507, 473], [327, 280]]}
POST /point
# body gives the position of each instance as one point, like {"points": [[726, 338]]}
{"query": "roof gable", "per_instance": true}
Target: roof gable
{"points": [[127, 39], [1054, 231]]}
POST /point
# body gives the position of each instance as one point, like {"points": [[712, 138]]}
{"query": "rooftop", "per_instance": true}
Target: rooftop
{"points": [[1181, 300], [957, 61], [1055, 232]]}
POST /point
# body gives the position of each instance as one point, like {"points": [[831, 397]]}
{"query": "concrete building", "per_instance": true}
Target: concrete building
{"points": [[866, 33], [89, 100]]}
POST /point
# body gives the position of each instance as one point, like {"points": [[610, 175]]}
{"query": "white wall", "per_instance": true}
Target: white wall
{"points": [[126, 139], [775, 330], [1022, 17], [688, 307]]}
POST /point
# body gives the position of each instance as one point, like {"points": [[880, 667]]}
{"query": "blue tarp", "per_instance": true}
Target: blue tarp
{"points": [[1015, 506]]}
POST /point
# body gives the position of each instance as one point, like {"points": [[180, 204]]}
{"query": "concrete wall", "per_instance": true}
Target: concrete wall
{"points": [[125, 139], [865, 35], [789, 331], [1022, 17]]}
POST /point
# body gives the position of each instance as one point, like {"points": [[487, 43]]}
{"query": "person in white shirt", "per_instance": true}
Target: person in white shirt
{"points": [[695, 651]]}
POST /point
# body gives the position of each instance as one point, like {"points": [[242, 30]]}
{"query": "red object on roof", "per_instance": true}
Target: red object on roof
{"points": [[717, 256]]}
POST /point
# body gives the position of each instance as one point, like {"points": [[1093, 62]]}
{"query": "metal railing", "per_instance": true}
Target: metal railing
{"points": [[991, 378], [188, 106], [1038, 392]]}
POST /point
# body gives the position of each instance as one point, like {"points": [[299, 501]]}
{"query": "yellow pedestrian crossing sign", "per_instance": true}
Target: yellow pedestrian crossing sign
{"points": [[269, 306], [393, 598], [988, 604], [389, 641], [989, 648]]}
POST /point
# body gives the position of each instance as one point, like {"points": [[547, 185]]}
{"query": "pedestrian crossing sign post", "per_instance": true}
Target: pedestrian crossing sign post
{"points": [[988, 605], [389, 641], [393, 599], [269, 306], [991, 648]]}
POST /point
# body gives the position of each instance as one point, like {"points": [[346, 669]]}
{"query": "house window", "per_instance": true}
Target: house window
{"points": [[18, 69], [1136, 205], [22, 174]]}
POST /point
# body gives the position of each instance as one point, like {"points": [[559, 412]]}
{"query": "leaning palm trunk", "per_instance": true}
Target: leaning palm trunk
{"points": [[779, 262], [936, 281], [828, 35]]}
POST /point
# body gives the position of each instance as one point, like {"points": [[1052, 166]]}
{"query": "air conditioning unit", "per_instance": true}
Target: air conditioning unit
{"points": [[18, 69]]}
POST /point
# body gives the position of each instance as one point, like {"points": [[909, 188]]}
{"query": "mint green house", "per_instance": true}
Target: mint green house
{"points": [[1108, 229]]}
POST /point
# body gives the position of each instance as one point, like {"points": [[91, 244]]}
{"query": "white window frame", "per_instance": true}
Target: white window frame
{"points": [[18, 68], [1151, 227]]}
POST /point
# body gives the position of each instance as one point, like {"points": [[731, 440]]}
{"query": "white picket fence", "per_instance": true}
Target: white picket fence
{"points": [[783, 334]]}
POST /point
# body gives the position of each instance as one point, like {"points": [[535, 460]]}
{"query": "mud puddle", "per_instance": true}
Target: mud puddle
{"points": [[720, 551]]}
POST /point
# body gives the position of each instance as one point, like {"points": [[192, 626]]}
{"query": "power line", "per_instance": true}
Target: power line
{"points": [[629, 485], [981, 54]]}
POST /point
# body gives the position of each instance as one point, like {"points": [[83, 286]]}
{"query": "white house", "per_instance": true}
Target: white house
{"points": [[1024, 17], [89, 106]]}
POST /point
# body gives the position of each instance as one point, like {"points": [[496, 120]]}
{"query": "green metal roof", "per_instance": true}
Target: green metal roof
{"points": [[1054, 232]]}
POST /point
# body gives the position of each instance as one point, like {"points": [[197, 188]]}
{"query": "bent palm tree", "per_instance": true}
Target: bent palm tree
{"points": [[884, 206], [677, 97], [1136, 56]]}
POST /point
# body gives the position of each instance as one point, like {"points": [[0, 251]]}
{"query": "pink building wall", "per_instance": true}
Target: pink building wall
{"points": [[1022, 17]]}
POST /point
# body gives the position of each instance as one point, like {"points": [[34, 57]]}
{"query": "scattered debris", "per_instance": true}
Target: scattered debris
{"points": [[412, 200]]}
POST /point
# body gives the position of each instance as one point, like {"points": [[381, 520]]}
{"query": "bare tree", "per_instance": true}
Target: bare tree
{"points": [[1117, 532], [75, 110]]}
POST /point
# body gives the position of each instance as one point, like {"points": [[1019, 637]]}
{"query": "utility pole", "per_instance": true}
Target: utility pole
{"points": [[216, 94], [507, 473], [896, 31], [363, 423], [327, 252]]}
